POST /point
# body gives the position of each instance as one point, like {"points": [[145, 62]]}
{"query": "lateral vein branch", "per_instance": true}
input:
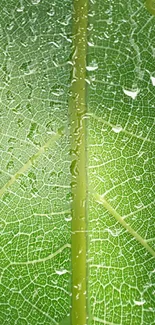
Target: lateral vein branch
{"points": [[101, 200]]}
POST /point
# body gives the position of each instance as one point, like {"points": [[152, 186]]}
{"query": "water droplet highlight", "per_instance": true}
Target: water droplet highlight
{"points": [[92, 67], [153, 80], [35, 2], [131, 93], [61, 272], [139, 303], [117, 128]]}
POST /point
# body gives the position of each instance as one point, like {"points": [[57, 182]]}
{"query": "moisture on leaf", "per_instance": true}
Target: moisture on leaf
{"points": [[77, 162]]}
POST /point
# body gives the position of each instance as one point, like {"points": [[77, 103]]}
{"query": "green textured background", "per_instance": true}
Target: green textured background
{"points": [[36, 47]]}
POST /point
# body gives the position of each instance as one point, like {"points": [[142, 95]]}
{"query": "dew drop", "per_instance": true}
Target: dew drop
{"points": [[93, 66], [117, 128], [131, 93], [153, 81], [138, 178], [20, 9], [69, 218], [90, 44], [51, 12], [77, 296], [139, 205], [35, 2], [139, 303], [61, 272]]}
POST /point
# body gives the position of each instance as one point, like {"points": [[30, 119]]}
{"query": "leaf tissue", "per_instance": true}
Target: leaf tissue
{"points": [[77, 205]]}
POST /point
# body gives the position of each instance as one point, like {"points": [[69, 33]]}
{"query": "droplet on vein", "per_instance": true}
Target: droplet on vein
{"points": [[131, 93], [117, 128]]}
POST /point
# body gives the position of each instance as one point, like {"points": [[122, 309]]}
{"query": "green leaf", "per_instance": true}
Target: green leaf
{"points": [[77, 162]]}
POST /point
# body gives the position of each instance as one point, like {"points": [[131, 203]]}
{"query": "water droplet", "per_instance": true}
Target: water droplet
{"points": [[61, 272], [139, 303], [138, 178], [139, 205], [90, 44], [35, 2], [153, 80], [106, 35], [74, 168], [131, 93], [10, 26], [77, 296], [117, 128], [109, 21], [69, 218], [92, 67], [20, 9], [51, 12]]}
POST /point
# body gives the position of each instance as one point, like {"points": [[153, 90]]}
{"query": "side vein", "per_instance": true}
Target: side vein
{"points": [[29, 163], [100, 119], [101, 200]]}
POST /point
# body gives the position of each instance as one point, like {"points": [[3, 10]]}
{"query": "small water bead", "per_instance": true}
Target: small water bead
{"points": [[20, 9], [153, 80], [139, 205], [117, 128], [139, 303], [93, 66], [51, 12], [91, 44], [61, 272], [69, 218], [35, 2], [138, 178]]}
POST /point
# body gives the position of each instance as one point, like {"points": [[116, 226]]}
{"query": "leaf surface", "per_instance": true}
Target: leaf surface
{"points": [[77, 143]]}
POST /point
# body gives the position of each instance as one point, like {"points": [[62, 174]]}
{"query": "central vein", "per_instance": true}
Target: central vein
{"points": [[77, 111]]}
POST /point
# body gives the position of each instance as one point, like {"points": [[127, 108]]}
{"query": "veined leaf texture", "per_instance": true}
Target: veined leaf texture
{"points": [[77, 162]]}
